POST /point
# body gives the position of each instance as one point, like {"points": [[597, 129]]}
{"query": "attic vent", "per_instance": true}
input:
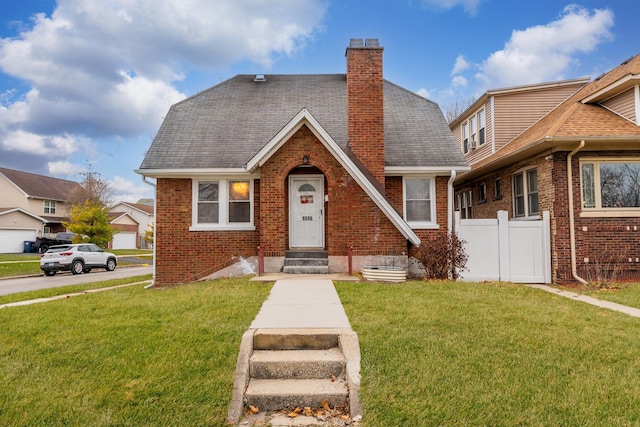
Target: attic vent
{"points": [[260, 78]]}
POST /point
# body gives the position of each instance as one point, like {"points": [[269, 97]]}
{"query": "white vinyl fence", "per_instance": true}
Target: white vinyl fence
{"points": [[503, 250]]}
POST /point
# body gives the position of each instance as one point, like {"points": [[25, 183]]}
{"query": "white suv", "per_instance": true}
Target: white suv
{"points": [[77, 258]]}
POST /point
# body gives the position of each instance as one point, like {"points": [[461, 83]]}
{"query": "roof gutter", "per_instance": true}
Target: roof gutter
{"points": [[155, 204], [572, 232]]}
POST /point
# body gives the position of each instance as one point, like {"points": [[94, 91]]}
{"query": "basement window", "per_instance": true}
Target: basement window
{"points": [[223, 204]]}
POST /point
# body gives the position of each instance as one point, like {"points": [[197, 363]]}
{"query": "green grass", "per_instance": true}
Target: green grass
{"points": [[51, 292], [494, 354], [12, 265], [127, 357], [626, 294]]}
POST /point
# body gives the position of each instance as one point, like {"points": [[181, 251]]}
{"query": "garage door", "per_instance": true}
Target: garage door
{"points": [[124, 240], [12, 241]]}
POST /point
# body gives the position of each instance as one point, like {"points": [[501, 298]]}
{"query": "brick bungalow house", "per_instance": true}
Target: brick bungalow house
{"points": [[322, 162], [578, 159]]}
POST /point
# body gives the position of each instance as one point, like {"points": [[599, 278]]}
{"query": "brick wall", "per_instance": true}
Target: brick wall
{"points": [[351, 218], [365, 108], [181, 255]]}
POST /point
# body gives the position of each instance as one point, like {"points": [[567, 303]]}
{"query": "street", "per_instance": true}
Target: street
{"points": [[12, 286]]}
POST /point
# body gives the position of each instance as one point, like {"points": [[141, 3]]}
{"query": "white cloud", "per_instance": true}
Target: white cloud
{"points": [[459, 81], [461, 65], [65, 168], [547, 52], [127, 191], [107, 70], [425, 93], [470, 6]]}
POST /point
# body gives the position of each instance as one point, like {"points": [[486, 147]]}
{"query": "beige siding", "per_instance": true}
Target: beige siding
{"points": [[457, 134], [19, 220], [126, 220], [516, 112], [623, 104], [11, 196]]}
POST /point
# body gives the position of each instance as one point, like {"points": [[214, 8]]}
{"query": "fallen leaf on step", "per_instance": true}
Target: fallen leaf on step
{"points": [[325, 405], [344, 417], [307, 411], [333, 378], [253, 409], [294, 413]]}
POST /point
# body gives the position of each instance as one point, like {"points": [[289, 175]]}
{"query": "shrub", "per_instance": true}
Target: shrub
{"points": [[443, 257]]}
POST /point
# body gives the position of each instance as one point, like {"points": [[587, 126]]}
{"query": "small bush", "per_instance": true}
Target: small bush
{"points": [[443, 257]]}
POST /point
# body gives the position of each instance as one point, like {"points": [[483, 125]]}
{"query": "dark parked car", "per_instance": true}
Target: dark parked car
{"points": [[44, 243], [77, 258]]}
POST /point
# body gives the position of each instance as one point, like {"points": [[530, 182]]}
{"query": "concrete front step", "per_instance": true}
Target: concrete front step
{"points": [[295, 339], [306, 261], [272, 395], [305, 269], [294, 253], [297, 364]]}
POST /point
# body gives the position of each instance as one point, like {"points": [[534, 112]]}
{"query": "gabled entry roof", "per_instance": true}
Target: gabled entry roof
{"points": [[304, 117]]}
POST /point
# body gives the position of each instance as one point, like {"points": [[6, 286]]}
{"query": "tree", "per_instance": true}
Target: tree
{"points": [[90, 222], [453, 110], [149, 233], [94, 189]]}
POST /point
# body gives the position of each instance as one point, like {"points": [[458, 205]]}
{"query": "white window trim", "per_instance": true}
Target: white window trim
{"points": [[423, 225], [599, 211], [51, 205], [223, 202], [525, 187]]}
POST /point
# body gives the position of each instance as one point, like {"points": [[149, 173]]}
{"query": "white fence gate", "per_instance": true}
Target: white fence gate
{"points": [[503, 250]]}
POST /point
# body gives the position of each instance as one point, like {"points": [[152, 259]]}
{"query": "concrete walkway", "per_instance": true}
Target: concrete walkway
{"points": [[302, 303], [631, 311]]}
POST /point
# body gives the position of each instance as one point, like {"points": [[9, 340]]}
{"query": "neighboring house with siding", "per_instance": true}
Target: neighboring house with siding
{"points": [[330, 163], [37, 205], [578, 159], [126, 215]]}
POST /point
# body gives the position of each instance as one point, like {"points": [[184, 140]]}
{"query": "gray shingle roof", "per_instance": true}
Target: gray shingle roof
{"points": [[226, 125]]}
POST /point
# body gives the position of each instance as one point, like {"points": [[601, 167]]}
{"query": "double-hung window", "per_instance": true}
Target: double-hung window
{"points": [[222, 204], [610, 184], [464, 204], [465, 136], [472, 131], [481, 125], [419, 202], [50, 207], [525, 193]]}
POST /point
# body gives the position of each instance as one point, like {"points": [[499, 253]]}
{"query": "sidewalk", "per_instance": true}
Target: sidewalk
{"points": [[631, 311], [302, 303]]}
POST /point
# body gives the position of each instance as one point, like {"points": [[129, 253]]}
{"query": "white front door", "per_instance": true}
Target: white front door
{"points": [[306, 208]]}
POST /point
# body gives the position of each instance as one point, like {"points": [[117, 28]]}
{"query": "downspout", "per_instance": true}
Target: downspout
{"points": [[572, 232], [450, 201], [155, 218]]}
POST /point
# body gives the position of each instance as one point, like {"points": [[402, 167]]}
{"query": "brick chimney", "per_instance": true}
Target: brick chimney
{"points": [[365, 107]]}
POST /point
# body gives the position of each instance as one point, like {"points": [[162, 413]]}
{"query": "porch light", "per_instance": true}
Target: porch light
{"points": [[305, 159]]}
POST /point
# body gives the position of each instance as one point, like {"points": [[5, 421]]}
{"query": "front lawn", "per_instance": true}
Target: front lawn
{"points": [[432, 354], [130, 356], [491, 354]]}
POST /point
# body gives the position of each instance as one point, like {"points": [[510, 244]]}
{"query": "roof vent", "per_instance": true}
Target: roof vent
{"points": [[260, 78]]}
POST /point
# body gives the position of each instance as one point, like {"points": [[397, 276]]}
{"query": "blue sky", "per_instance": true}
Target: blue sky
{"points": [[86, 83]]}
